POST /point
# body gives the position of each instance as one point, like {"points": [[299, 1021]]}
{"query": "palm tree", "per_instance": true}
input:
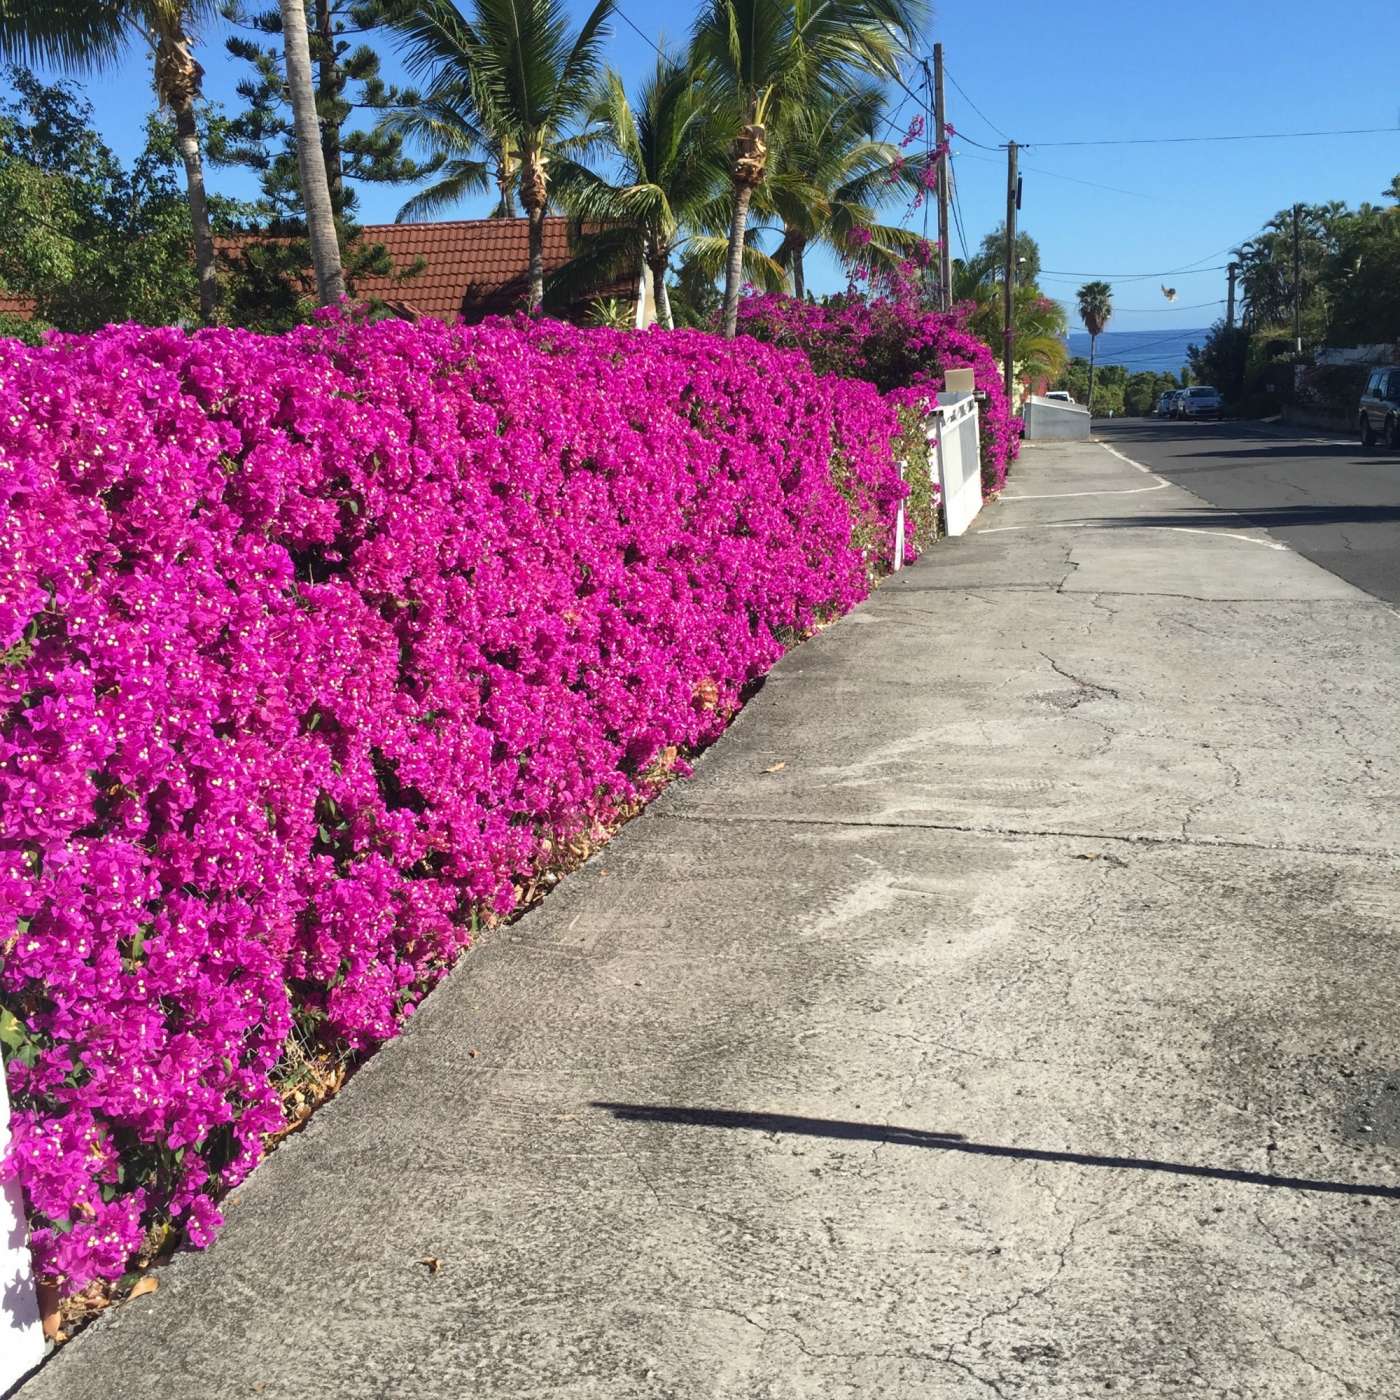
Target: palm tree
{"points": [[827, 181], [1095, 307], [515, 70], [82, 35], [311, 162], [765, 58], [669, 163]]}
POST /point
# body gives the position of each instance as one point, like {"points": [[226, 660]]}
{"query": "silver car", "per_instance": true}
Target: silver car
{"points": [[1199, 401]]}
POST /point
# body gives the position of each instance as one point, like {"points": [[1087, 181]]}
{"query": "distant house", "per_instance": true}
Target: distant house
{"points": [[470, 269]]}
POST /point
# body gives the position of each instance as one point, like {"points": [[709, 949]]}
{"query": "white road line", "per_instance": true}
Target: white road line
{"points": [[1179, 529], [1065, 495], [1137, 466]]}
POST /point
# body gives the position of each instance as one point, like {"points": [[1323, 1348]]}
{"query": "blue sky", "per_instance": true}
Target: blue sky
{"points": [[1077, 72]]}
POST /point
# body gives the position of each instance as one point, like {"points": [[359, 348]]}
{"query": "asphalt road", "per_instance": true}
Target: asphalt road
{"points": [[1331, 500]]}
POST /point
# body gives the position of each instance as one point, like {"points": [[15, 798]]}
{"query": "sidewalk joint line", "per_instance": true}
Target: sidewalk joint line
{"points": [[1226, 843]]}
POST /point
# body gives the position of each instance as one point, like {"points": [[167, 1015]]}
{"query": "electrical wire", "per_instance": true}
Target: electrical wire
{"points": [[1055, 175], [957, 208], [975, 108], [628, 21], [1193, 140], [1133, 276], [1136, 353], [1145, 310]]}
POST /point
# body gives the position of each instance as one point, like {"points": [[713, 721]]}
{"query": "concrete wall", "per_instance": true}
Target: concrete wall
{"points": [[1316, 418], [1054, 421]]}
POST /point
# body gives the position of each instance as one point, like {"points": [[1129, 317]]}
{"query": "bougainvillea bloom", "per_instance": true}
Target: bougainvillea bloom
{"points": [[312, 646]]}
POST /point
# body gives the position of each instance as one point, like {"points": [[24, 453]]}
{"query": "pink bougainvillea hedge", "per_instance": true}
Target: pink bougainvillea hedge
{"points": [[312, 646], [901, 346]]}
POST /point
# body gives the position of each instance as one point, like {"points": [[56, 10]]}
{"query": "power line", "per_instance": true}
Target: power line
{"points": [[957, 207], [1147, 310], [975, 108], [1055, 175], [627, 20], [1135, 276], [1191, 140], [1136, 353]]}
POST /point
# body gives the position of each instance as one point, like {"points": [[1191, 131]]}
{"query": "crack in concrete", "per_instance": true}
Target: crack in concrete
{"points": [[1195, 810], [1079, 680], [1312, 1365]]}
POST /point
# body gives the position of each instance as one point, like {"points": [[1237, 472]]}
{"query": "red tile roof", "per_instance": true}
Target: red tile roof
{"points": [[471, 267], [15, 304]]}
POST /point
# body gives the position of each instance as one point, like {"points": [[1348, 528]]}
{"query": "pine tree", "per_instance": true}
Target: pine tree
{"points": [[347, 78]]}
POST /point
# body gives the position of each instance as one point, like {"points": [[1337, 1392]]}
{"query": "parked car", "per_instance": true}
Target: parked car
{"points": [[1164, 404], [1378, 415], [1060, 396], [1199, 401]]}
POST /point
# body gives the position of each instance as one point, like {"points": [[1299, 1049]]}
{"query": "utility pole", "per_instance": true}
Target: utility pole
{"points": [[940, 122], [1008, 290], [1297, 284], [1232, 271]]}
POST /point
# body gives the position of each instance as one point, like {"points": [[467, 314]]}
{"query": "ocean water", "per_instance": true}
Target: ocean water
{"points": [[1155, 350]]}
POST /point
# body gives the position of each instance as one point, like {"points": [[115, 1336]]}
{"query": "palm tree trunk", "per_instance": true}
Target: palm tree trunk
{"points": [[534, 195], [505, 180], [734, 267], [799, 280], [659, 293], [1093, 345], [178, 83], [187, 139], [535, 215], [311, 164], [750, 159]]}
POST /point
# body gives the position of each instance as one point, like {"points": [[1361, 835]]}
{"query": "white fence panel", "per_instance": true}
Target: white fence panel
{"points": [[21, 1336], [958, 459]]}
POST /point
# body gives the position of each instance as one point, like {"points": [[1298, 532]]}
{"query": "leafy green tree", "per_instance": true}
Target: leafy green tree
{"points": [[1143, 389], [1095, 307], [89, 239], [766, 58], [1361, 281], [1038, 321], [695, 297], [1105, 394], [517, 70], [992, 255], [666, 163], [1222, 360], [86, 35]]}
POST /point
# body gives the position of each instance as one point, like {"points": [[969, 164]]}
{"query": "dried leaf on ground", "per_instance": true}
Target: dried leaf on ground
{"points": [[775, 768], [433, 1266], [142, 1286]]}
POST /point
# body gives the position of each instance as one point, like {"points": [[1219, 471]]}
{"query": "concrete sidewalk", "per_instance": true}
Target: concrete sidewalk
{"points": [[1031, 1033]]}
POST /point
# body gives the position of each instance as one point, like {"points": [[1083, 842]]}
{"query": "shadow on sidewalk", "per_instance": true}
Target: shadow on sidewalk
{"points": [[1259, 518], [956, 1142]]}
